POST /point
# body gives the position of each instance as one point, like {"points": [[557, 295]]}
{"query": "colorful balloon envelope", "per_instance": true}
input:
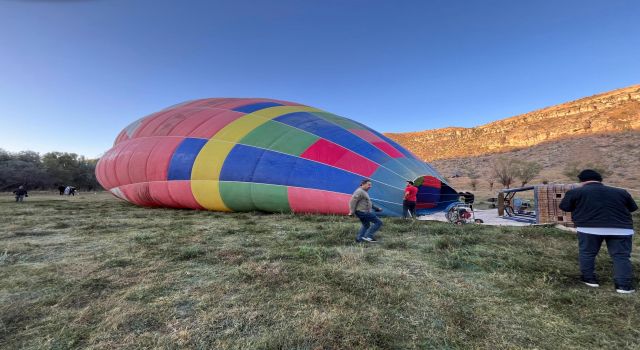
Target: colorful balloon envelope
{"points": [[238, 154]]}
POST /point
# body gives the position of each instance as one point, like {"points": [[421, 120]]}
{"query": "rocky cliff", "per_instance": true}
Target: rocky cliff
{"points": [[614, 111]]}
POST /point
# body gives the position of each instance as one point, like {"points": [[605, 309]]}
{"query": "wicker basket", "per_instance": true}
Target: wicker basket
{"points": [[547, 199]]}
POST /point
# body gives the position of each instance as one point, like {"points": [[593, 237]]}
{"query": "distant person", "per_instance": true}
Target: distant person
{"points": [[72, 191], [20, 193], [361, 206], [61, 189], [67, 190], [468, 198], [409, 200], [602, 213]]}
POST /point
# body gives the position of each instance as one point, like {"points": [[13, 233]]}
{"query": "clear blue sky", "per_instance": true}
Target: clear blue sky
{"points": [[73, 73]]}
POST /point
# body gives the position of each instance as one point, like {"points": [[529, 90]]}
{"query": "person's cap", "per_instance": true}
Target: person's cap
{"points": [[589, 175]]}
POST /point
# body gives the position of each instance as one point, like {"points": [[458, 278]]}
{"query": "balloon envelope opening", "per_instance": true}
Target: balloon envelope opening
{"points": [[433, 195]]}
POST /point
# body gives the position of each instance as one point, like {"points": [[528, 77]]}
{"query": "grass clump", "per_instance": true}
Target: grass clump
{"points": [[313, 254], [190, 252]]}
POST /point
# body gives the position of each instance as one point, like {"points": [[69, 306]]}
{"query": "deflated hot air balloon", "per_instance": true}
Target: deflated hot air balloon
{"points": [[238, 154]]}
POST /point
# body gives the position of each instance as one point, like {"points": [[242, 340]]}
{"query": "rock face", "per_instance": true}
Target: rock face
{"points": [[614, 111]]}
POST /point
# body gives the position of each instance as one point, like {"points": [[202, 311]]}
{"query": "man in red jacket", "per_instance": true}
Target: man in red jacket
{"points": [[410, 198]]}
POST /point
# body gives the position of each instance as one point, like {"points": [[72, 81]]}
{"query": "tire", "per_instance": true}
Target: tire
{"points": [[459, 222], [478, 221]]}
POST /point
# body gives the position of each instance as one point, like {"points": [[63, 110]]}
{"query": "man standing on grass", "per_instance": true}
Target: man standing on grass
{"points": [[361, 205], [409, 200], [20, 194], [602, 213]]}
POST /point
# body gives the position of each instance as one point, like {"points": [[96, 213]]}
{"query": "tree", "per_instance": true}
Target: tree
{"points": [[490, 181], [571, 170], [503, 170], [22, 168], [62, 166], [473, 176], [28, 156], [5, 156], [52, 169], [526, 171], [85, 177]]}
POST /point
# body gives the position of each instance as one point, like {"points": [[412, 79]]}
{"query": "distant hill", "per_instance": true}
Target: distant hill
{"points": [[610, 112]]}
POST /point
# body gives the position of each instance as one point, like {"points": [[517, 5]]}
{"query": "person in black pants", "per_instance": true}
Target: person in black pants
{"points": [[20, 193], [602, 213], [409, 200]]}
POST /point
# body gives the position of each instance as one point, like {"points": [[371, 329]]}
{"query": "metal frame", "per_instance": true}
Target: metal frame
{"points": [[505, 203]]}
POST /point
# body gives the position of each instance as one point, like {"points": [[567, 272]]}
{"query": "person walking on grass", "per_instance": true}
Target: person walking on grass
{"points": [[361, 206], [20, 194], [602, 213], [409, 200]]}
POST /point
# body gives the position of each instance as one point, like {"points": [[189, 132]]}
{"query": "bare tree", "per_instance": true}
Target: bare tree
{"points": [[526, 171], [490, 181], [571, 170], [503, 170], [473, 176]]}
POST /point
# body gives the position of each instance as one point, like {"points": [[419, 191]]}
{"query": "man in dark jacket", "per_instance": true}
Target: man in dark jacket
{"points": [[20, 194], [602, 213]]}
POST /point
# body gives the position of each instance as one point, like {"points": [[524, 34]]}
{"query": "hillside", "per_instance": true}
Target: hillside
{"points": [[618, 152], [610, 112]]}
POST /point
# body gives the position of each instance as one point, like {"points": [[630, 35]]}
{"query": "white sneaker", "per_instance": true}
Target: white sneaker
{"points": [[591, 282]]}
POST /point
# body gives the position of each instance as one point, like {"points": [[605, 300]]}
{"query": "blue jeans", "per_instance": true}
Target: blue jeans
{"points": [[367, 230], [619, 248]]}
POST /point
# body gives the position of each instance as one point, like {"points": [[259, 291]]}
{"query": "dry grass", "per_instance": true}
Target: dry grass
{"points": [[94, 272]]}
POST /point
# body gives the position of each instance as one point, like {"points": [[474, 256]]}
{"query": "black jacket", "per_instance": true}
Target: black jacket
{"points": [[20, 192], [596, 205]]}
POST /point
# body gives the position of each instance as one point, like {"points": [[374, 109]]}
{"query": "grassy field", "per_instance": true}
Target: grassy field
{"points": [[94, 272]]}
